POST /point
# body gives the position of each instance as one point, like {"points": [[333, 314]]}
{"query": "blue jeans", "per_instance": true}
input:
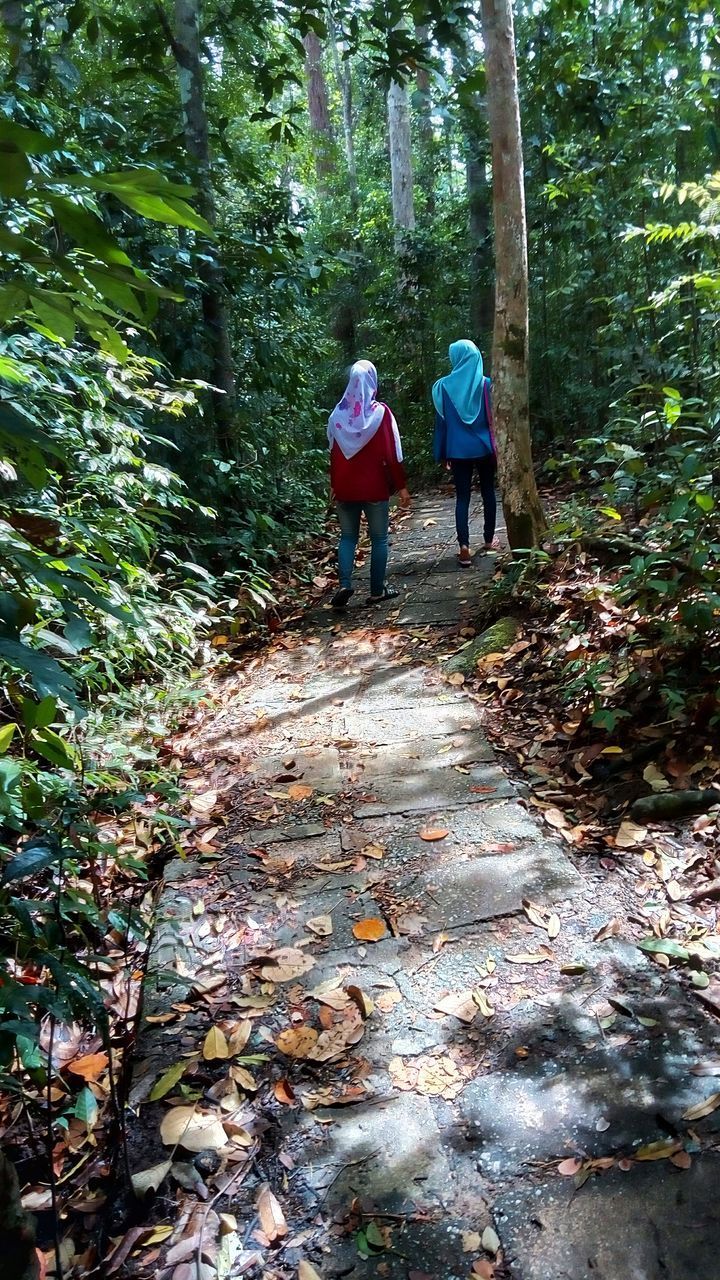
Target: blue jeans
{"points": [[377, 515], [462, 470]]}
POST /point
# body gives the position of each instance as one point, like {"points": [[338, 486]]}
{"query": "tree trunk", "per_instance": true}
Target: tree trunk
{"points": [[17, 1229], [425, 130], [403, 206], [521, 503], [186, 47], [319, 111], [343, 76], [481, 290]]}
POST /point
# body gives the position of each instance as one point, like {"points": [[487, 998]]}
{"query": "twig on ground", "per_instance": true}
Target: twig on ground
{"points": [[349, 1165]]}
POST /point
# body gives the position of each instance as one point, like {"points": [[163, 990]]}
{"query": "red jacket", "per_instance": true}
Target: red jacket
{"points": [[373, 474]]}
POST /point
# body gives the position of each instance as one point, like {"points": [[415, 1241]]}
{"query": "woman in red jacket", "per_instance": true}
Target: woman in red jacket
{"points": [[366, 467]]}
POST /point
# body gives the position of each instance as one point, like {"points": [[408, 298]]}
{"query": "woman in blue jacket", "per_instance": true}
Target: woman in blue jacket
{"points": [[464, 439]]}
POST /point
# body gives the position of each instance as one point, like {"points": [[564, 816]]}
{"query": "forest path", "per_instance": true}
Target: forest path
{"points": [[421, 1089]]}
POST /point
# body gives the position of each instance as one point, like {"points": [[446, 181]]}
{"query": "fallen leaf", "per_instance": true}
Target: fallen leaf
{"points": [[535, 915], [657, 1150], [297, 1042], [553, 926], [700, 1109], [239, 1037], [299, 791], [370, 930], [285, 964], [204, 803], [90, 1067], [490, 1241], [602, 1125], [434, 833], [556, 818], [215, 1045], [480, 999], [457, 679], [158, 1234], [612, 929], [169, 1079], [471, 1241], [272, 1218], [192, 1129], [376, 851], [320, 925], [568, 1168], [681, 1160], [483, 1269], [307, 1272], [149, 1179], [526, 957], [363, 1002], [461, 1006], [284, 1093], [629, 835]]}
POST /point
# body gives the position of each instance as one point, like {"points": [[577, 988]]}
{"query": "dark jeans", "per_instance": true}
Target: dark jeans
{"points": [[462, 470]]}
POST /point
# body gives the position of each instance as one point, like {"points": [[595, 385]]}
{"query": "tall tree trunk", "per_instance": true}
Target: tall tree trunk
{"points": [[343, 76], [481, 290], [425, 128], [186, 47], [320, 125], [521, 503], [403, 206]]}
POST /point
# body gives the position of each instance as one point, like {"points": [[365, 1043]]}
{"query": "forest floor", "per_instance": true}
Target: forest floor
{"points": [[394, 1024]]}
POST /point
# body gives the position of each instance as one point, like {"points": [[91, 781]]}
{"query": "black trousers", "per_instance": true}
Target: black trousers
{"points": [[462, 471]]}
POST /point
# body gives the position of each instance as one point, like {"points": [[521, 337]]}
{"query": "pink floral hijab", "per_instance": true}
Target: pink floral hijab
{"points": [[357, 417]]}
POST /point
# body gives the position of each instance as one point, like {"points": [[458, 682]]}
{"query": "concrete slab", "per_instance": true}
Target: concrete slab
{"points": [[425, 722], [495, 885], [425, 791], [653, 1223]]}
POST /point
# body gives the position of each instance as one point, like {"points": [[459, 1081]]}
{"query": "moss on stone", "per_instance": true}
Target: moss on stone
{"points": [[496, 639]]}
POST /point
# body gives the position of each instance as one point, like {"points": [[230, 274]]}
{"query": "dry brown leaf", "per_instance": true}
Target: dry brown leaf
{"points": [[439, 941], [681, 1160], [556, 818], [528, 957], [322, 926], [612, 929], [284, 1093], [659, 1150], [471, 1241], [363, 1002], [629, 835], [285, 964], [272, 1218], [700, 1109], [297, 1042], [535, 915], [457, 679], [387, 1000], [205, 802], [307, 1272], [433, 833], [215, 1045], [376, 851], [370, 930], [239, 1037], [568, 1168], [192, 1129], [553, 926], [90, 1067], [480, 999], [483, 1269], [299, 791], [490, 1240], [460, 1006]]}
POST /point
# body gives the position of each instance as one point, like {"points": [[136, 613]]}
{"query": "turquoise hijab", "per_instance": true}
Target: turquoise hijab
{"points": [[464, 385]]}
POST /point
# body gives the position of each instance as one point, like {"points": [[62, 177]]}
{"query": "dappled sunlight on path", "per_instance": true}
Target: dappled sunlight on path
{"points": [[457, 1078]]}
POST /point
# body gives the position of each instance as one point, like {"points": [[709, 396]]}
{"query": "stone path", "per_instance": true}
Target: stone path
{"points": [[449, 1125]]}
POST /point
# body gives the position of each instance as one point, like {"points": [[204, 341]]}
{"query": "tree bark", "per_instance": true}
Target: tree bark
{"points": [[521, 503], [426, 132], [319, 111], [403, 206], [343, 76], [186, 47]]}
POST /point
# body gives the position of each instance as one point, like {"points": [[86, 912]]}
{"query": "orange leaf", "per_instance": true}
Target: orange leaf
{"points": [[297, 1042], [272, 1218], [90, 1067], [284, 1093], [568, 1168], [370, 930], [300, 791], [434, 833]]}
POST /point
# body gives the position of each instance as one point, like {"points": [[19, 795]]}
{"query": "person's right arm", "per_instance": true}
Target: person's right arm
{"points": [[440, 438]]}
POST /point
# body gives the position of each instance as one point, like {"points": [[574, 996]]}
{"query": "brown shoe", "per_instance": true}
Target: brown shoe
{"points": [[464, 558]]}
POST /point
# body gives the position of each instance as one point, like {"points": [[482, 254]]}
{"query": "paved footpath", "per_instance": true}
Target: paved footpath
{"points": [[420, 1089]]}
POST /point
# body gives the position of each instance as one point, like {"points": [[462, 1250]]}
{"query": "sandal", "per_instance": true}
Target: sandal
{"points": [[341, 597], [389, 593]]}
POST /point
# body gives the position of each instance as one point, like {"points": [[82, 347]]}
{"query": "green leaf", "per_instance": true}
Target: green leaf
{"points": [[47, 676], [31, 141], [52, 747], [6, 737], [86, 1107], [611, 512], [32, 858], [87, 230], [665, 946], [171, 211], [169, 1079], [705, 501], [15, 173], [58, 321]]}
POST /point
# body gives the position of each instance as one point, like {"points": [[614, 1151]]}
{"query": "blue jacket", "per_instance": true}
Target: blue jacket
{"points": [[455, 439]]}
